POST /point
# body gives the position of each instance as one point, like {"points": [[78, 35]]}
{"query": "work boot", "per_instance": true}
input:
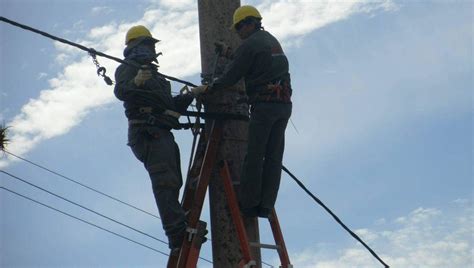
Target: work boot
{"points": [[249, 212], [204, 237], [264, 212], [176, 241], [175, 252], [202, 231]]}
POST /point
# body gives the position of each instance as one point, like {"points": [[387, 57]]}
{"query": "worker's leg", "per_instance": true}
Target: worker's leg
{"points": [[171, 213], [160, 155], [273, 158], [251, 177]]}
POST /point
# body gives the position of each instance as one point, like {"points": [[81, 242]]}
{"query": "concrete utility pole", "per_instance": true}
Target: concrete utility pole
{"points": [[215, 18]]}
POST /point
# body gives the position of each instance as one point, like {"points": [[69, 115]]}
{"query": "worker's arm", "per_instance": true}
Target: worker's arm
{"points": [[237, 68], [124, 82], [182, 102], [126, 88]]}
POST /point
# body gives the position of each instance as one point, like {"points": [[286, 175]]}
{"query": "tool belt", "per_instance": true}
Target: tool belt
{"points": [[154, 119], [150, 110], [279, 92]]}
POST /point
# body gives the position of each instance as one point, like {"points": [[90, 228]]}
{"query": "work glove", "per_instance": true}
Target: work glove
{"points": [[142, 76], [181, 102], [199, 89]]}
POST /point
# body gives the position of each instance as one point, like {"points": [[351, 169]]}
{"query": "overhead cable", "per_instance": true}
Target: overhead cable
{"points": [[81, 206], [90, 188], [90, 210], [334, 216], [84, 221], [81, 184], [91, 51]]}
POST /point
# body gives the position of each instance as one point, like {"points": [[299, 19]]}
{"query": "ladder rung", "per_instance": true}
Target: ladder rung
{"points": [[259, 245]]}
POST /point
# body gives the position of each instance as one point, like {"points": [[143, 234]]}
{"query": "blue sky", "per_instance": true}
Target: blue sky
{"points": [[382, 103]]}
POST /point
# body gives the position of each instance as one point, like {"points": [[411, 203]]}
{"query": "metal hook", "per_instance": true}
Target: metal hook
{"points": [[101, 71]]}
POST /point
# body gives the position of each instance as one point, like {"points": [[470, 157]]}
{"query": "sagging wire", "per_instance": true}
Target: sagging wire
{"points": [[83, 207], [90, 210], [333, 215], [92, 52], [80, 184], [84, 221], [58, 174]]}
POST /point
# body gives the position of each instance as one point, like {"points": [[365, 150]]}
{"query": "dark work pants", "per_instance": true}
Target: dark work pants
{"points": [[159, 153], [261, 172]]}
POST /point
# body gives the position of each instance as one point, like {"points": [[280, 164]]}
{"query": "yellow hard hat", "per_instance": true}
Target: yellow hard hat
{"points": [[243, 12], [136, 32]]}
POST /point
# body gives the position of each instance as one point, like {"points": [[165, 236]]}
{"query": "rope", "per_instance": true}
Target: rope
{"points": [[91, 51], [334, 216], [81, 184]]}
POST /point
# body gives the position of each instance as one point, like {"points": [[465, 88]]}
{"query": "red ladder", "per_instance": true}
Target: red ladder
{"points": [[193, 199]]}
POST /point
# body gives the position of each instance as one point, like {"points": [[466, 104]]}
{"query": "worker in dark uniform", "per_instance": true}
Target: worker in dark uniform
{"points": [[261, 62], [152, 112]]}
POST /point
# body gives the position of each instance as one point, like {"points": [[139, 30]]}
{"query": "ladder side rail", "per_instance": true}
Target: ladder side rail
{"points": [[188, 254], [235, 213], [191, 186], [280, 242], [190, 189], [195, 247]]}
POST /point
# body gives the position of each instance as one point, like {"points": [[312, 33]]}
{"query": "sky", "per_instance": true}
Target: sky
{"points": [[381, 132]]}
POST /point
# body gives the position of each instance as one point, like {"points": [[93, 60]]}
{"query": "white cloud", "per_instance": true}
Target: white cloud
{"points": [[390, 85], [100, 10], [291, 20], [70, 97], [79, 25], [77, 90], [177, 4], [41, 75], [424, 238], [104, 31]]}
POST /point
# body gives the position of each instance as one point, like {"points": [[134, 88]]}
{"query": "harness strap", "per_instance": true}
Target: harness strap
{"points": [[149, 110], [278, 91]]}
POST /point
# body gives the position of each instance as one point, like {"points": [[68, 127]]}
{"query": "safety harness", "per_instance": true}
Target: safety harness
{"points": [[277, 92], [151, 119]]}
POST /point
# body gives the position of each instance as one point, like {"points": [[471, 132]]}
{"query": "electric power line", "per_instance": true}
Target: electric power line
{"points": [[91, 51], [84, 221], [334, 216], [97, 213], [92, 189], [81, 206], [81, 184]]}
